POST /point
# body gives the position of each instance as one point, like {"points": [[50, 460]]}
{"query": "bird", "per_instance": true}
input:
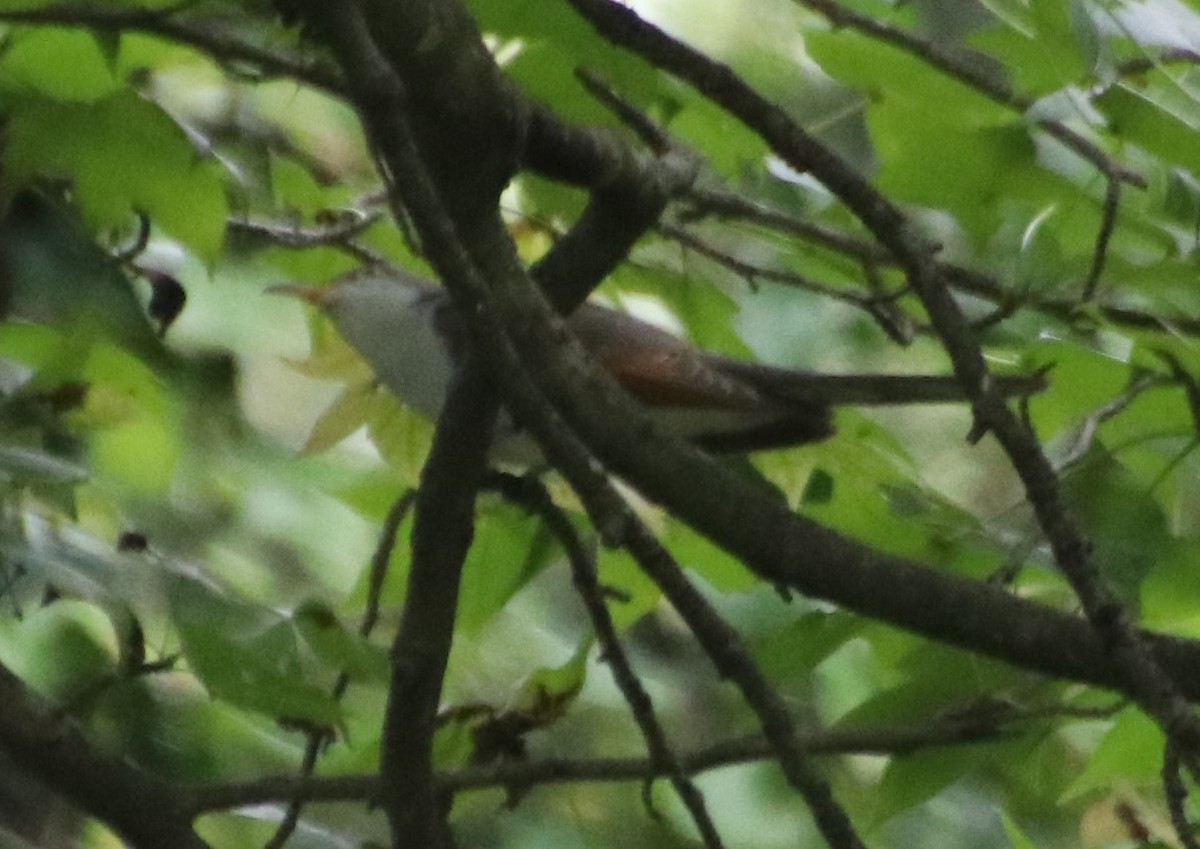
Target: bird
{"points": [[409, 332]]}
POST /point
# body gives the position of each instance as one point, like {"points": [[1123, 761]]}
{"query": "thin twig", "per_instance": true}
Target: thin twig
{"points": [[1141, 673], [532, 494], [1108, 223], [885, 308], [1187, 380], [221, 42], [880, 306], [970, 73], [340, 235], [898, 740], [130, 252], [733, 660], [984, 286], [725, 204], [755, 273], [382, 557], [318, 738], [651, 134], [290, 235], [958, 65], [1085, 434], [1142, 64], [86, 698]]}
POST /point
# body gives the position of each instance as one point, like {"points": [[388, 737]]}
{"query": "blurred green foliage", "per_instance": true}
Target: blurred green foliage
{"points": [[187, 523]]}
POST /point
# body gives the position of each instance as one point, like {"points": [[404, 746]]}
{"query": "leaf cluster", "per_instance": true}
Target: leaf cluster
{"points": [[192, 571]]}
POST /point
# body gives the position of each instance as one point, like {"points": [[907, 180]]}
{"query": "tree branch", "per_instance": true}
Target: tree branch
{"points": [[962, 731], [442, 531], [970, 73], [532, 494], [222, 42], [960, 277], [789, 549], [380, 98], [1132, 661], [145, 810]]}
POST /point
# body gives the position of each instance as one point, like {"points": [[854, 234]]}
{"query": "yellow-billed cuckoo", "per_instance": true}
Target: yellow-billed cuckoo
{"points": [[406, 328]]}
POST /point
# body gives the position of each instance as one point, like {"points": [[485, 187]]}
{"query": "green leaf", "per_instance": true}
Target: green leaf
{"points": [[1014, 13], [912, 779], [795, 650], [342, 418], [401, 436], [247, 655], [124, 154], [60, 63], [55, 273], [1169, 592], [1017, 838], [866, 63], [731, 148], [510, 549], [454, 741], [1185, 507], [975, 163], [705, 311], [936, 679], [1067, 37], [332, 358], [638, 594], [722, 570], [877, 496], [550, 42], [358, 658], [1039, 63], [1169, 133], [548, 693], [61, 649], [138, 448], [296, 189], [1127, 529], [1131, 752], [1082, 378]]}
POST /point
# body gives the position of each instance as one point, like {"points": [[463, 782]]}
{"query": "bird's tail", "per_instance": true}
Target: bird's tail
{"points": [[870, 389]]}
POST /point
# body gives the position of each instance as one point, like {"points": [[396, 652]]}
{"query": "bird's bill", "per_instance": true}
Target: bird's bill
{"points": [[309, 294]]}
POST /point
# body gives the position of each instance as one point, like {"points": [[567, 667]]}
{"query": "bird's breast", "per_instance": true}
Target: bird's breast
{"points": [[410, 357]]}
